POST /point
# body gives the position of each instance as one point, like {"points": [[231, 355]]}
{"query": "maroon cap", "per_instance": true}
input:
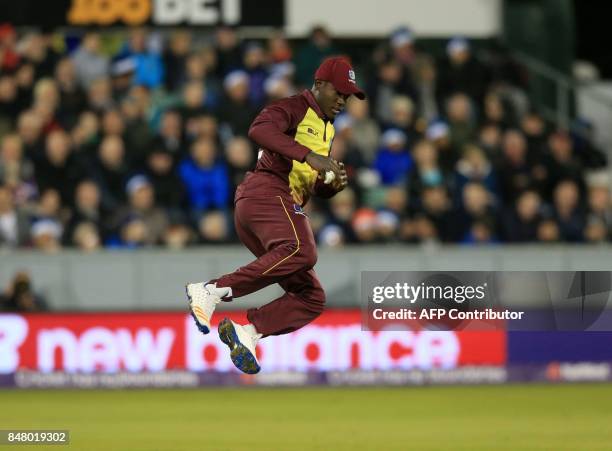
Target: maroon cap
{"points": [[339, 72]]}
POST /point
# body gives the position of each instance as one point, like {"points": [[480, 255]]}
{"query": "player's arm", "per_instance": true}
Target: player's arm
{"points": [[268, 131]]}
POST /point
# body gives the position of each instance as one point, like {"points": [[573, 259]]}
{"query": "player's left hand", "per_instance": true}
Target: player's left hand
{"points": [[339, 183]]}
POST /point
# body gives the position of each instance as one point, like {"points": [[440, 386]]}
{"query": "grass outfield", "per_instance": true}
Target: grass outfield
{"points": [[531, 417]]}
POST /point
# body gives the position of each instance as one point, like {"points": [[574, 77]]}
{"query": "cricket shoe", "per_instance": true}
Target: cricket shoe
{"points": [[242, 346], [203, 298]]}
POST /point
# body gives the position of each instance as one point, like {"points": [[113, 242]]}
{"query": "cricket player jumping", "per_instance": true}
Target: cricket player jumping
{"points": [[295, 136]]}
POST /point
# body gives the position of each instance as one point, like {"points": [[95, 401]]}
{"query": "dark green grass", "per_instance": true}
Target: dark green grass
{"points": [[533, 417]]}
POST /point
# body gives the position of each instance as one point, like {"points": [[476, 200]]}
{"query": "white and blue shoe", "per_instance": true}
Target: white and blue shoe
{"points": [[202, 303], [241, 344]]}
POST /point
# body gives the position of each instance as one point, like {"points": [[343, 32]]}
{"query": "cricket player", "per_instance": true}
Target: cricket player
{"points": [[295, 137]]}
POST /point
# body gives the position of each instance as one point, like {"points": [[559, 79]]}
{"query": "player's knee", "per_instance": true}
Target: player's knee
{"points": [[319, 301], [315, 297], [307, 255]]}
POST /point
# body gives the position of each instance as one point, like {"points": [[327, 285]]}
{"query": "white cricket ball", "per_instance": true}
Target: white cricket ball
{"points": [[329, 177]]}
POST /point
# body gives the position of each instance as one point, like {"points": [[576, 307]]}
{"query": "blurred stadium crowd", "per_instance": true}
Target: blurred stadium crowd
{"points": [[139, 139]]}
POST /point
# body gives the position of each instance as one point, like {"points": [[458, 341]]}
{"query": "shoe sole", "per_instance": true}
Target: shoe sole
{"points": [[242, 358], [201, 327]]}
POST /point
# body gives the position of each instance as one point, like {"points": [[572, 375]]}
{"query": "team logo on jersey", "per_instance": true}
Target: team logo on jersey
{"points": [[312, 131], [351, 76], [298, 210]]}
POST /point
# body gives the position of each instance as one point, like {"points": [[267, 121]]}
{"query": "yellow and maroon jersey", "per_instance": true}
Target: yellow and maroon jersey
{"points": [[286, 131]]}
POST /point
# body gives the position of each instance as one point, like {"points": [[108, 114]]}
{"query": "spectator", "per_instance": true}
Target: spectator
{"points": [[365, 133], [177, 236], [426, 92], [46, 235], [86, 135], [521, 222], [461, 72], [72, 99], [29, 129], [426, 171], [515, 173], [477, 205], [170, 134], [160, 169], [277, 87], [388, 84], [318, 47], [583, 138], [109, 170], [100, 95], [89, 62], [534, 129], [36, 49], [205, 178], [14, 222], [49, 207], [86, 237], [141, 222], [387, 225], [599, 219], [279, 48], [57, 168], [254, 61], [403, 53], [9, 57], [548, 231], [87, 209], [460, 120], [490, 139], [364, 225], [497, 112], [344, 149], [214, 228], [240, 157], [482, 231], [113, 123], [474, 166], [331, 236], [193, 103], [435, 218], [228, 50], [402, 117], [149, 70], [438, 133], [9, 106], [342, 208], [561, 163], [123, 70], [138, 134], [175, 57], [19, 296], [15, 169], [393, 161], [568, 213], [235, 112]]}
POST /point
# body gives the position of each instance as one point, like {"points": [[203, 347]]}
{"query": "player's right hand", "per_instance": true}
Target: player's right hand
{"points": [[322, 164]]}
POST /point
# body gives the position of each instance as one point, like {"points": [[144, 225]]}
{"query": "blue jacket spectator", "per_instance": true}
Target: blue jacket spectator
{"points": [[149, 70], [206, 179], [393, 161]]}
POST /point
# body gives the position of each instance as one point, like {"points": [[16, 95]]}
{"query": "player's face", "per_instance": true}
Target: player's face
{"points": [[329, 99]]}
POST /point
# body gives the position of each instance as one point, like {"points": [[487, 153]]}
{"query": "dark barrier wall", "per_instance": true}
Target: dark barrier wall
{"points": [[544, 347]]}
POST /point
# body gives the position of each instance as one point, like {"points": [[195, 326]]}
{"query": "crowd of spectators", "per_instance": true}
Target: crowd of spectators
{"points": [[140, 140]]}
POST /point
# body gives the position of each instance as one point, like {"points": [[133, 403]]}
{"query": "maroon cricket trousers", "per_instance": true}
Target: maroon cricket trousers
{"points": [[278, 233]]}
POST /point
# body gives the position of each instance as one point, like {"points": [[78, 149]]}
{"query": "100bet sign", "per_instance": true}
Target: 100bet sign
{"points": [[159, 12]]}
